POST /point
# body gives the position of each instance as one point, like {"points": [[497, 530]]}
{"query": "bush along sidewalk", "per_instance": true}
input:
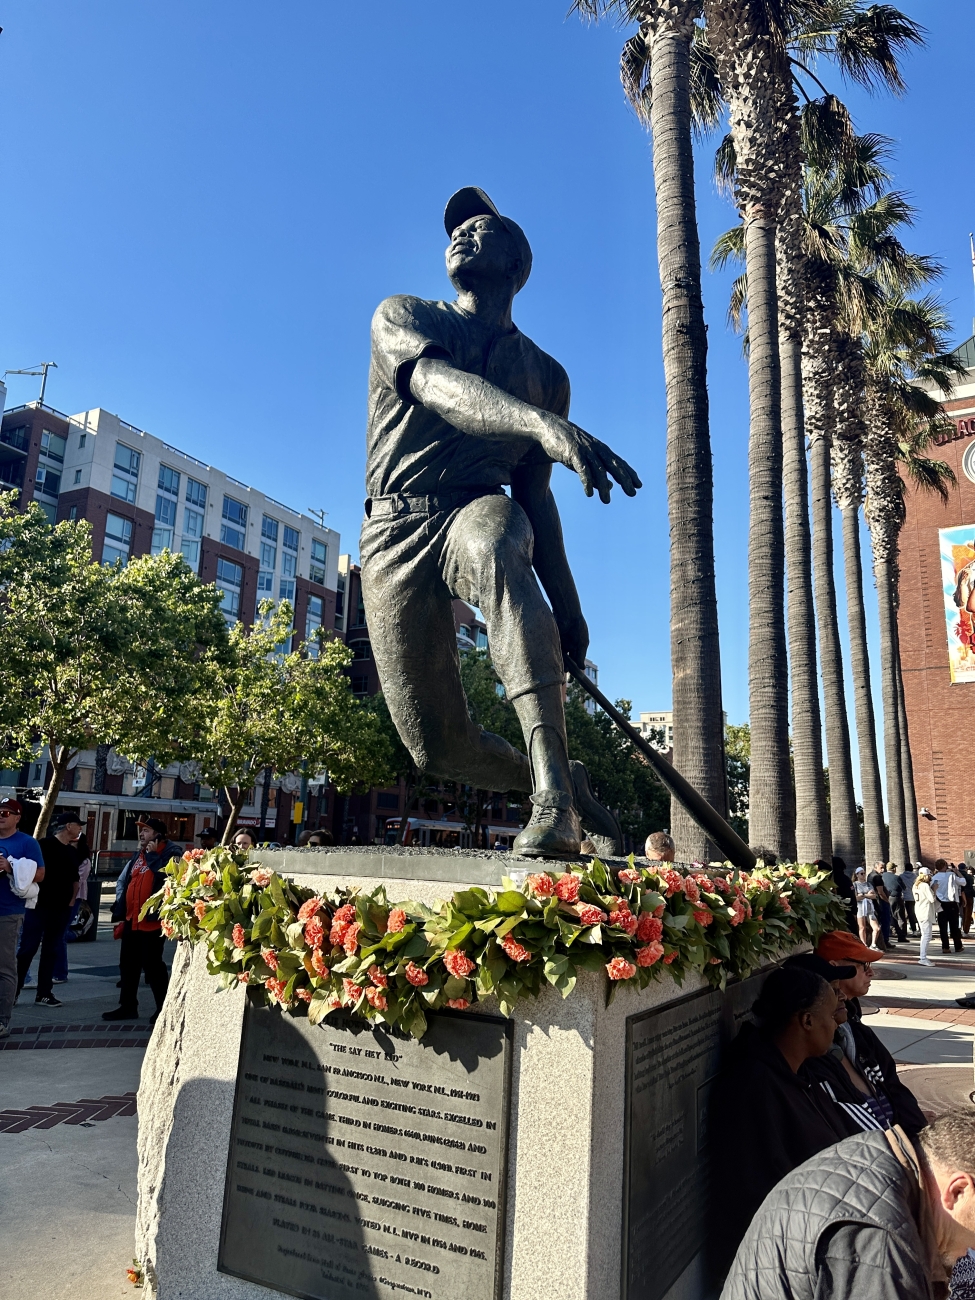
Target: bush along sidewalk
{"points": [[393, 961]]}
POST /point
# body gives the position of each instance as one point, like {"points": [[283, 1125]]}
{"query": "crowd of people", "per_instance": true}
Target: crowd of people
{"points": [[842, 1190]]}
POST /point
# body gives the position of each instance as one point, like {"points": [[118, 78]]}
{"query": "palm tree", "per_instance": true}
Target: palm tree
{"points": [[656, 73], [906, 347], [752, 66]]}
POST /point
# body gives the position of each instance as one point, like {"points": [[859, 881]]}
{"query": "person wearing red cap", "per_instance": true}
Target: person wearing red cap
{"points": [[13, 844], [461, 403], [867, 1064]]}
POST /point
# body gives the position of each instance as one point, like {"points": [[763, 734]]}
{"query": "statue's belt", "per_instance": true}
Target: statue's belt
{"points": [[400, 503]]}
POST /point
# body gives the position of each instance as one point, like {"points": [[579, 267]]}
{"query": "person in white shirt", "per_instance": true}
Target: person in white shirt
{"points": [[947, 884], [926, 909]]}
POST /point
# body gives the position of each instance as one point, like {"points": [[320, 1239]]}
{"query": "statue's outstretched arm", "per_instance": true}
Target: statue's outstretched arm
{"points": [[478, 407]]}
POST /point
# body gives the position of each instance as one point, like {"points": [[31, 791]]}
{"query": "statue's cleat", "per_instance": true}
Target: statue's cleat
{"points": [[600, 824], [553, 831]]}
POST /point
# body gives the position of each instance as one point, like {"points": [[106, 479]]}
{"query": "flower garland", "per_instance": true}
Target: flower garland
{"points": [[393, 962]]}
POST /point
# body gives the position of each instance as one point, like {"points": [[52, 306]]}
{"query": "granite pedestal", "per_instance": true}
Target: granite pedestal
{"points": [[570, 1117]]}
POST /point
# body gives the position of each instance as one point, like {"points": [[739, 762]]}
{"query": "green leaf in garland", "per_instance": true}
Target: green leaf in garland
{"points": [[512, 901], [458, 938]]}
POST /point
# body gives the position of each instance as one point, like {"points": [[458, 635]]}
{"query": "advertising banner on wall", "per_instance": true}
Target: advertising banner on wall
{"points": [[958, 584]]}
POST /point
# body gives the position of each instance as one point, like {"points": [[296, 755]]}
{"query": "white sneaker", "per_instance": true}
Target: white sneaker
{"points": [[923, 961]]}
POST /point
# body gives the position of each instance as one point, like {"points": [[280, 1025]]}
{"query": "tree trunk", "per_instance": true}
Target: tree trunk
{"points": [[842, 796], [812, 822], [101, 768], [61, 756], [265, 799], [770, 787], [235, 805], [899, 848], [874, 828], [695, 654], [907, 765]]}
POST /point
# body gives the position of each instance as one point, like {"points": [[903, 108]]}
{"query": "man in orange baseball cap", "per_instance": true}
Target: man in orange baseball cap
{"points": [[865, 1054]]}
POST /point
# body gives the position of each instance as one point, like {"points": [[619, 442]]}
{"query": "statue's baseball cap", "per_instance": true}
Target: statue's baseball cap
{"points": [[841, 945], [473, 202], [10, 805]]}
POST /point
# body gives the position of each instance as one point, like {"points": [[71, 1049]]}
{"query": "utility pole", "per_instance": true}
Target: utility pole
{"points": [[40, 369]]}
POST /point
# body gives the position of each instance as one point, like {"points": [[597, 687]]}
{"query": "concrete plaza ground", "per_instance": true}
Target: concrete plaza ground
{"points": [[68, 1127]]}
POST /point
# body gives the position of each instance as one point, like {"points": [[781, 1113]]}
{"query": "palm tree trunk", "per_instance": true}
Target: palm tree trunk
{"points": [[842, 796], [753, 67], [907, 765], [770, 786], [871, 790], [899, 848], [812, 825], [695, 653]]}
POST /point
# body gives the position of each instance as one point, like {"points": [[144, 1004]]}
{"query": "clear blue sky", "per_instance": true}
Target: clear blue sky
{"points": [[203, 202]]}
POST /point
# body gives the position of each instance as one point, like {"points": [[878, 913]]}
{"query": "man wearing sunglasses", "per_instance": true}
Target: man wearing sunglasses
{"points": [[13, 844]]}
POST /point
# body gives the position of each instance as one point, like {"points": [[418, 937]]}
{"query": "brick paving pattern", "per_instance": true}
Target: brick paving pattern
{"points": [[28, 1038], [87, 1110]]}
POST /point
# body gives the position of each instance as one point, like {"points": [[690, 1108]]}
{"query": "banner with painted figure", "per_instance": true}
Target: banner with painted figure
{"points": [[958, 583]]}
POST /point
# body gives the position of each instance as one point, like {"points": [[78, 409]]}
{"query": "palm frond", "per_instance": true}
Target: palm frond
{"points": [[707, 102], [867, 47], [826, 131], [737, 308], [725, 165], [635, 75], [729, 247]]}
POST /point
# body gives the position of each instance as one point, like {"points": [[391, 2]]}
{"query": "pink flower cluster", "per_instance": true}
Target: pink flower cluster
{"points": [[239, 937], [620, 969], [416, 975], [459, 964], [542, 886], [629, 876], [672, 881], [691, 891], [378, 976], [591, 915], [352, 991], [269, 957], [396, 921], [318, 964], [262, 877], [276, 989], [351, 940], [458, 1004], [314, 932], [702, 916], [309, 909], [649, 953], [199, 909], [567, 887], [649, 927], [377, 999], [341, 922], [515, 950]]}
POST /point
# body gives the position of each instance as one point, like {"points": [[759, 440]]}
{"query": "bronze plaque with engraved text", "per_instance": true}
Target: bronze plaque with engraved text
{"points": [[366, 1165]]}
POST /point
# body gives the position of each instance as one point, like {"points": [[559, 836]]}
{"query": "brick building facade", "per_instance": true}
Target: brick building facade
{"points": [[940, 710]]}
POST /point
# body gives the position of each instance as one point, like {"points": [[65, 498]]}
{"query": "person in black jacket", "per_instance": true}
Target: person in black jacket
{"points": [[763, 1118], [877, 1217]]}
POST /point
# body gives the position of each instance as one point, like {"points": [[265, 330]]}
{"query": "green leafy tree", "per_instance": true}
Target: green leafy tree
{"points": [[738, 759], [100, 655], [273, 709]]}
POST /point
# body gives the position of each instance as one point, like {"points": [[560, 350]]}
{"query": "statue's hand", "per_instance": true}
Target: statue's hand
{"points": [[574, 636], [591, 459]]}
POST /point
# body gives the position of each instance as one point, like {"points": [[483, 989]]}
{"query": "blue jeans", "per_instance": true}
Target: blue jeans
{"points": [[43, 928], [61, 960]]}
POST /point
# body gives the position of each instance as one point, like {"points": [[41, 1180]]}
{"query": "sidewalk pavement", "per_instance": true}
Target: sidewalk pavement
{"points": [[68, 1135], [68, 1128]]}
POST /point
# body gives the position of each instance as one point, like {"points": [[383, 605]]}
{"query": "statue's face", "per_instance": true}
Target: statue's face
{"points": [[481, 249]]}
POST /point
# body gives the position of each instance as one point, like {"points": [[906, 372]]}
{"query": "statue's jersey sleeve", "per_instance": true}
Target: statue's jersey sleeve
{"points": [[410, 448]]}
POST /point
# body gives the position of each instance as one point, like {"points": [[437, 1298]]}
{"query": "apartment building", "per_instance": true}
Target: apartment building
{"points": [[142, 495]]}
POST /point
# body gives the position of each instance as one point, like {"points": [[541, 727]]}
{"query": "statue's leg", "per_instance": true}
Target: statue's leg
{"points": [[414, 644], [487, 561]]}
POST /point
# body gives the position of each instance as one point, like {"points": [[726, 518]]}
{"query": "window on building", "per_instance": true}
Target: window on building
{"points": [[192, 533], [482, 641], [360, 649], [118, 539], [387, 799], [169, 481], [48, 481], [286, 591], [77, 476], [360, 685], [291, 538], [73, 513], [125, 475], [53, 445], [82, 439], [360, 611], [289, 564], [19, 437], [162, 540], [230, 580], [165, 511], [269, 529], [233, 532], [196, 493], [340, 601], [319, 556], [269, 555], [313, 621], [265, 584], [48, 509], [465, 632]]}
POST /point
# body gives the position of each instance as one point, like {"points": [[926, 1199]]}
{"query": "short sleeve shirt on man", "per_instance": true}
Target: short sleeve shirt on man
{"points": [[60, 874], [411, 449], [17, 845]]}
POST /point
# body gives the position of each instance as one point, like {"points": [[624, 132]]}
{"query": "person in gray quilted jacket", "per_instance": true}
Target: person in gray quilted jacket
{"points": [[875, 1217]]}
